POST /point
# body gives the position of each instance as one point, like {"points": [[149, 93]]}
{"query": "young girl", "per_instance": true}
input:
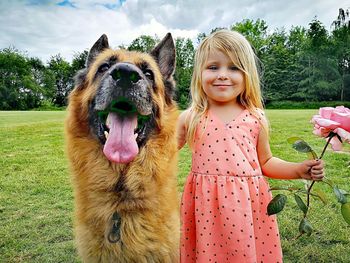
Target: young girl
{"points": [[224, 203]]}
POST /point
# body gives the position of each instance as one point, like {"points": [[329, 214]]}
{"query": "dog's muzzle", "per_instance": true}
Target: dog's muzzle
{"points": [[124, 107]]}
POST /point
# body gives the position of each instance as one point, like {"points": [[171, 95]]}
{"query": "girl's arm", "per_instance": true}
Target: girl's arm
{"points": [[279, 169], [182, 129]]}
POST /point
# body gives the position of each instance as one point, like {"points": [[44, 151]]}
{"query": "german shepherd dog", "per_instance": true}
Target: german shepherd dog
{"points": [[121, 144]]}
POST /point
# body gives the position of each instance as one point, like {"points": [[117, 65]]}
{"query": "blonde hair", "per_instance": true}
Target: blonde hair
{"points": [[239, 50]]}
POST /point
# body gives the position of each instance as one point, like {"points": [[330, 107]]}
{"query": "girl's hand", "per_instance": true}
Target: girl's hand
{"points": [[311, 170]]}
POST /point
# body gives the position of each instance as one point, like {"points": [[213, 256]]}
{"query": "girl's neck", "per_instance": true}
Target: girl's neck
{"points": [[226, 111]]}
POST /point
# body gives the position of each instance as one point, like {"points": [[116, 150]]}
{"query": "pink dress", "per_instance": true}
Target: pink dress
{"points": [[224, 202]]}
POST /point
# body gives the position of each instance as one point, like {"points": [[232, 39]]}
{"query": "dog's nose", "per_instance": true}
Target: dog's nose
{"points": [[125, 73]]}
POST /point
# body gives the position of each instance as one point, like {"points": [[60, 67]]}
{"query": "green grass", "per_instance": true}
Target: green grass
{"points": [[36, 200], [35, 192]]}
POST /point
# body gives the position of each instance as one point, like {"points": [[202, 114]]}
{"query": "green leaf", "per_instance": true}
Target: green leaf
{"points": [[312, 155], [328, 181], [292, 140], [320, 194], [305, 227], [343, 192], [300, 203], [302, 146], [276, 204], [345, 211], [340, 196]]}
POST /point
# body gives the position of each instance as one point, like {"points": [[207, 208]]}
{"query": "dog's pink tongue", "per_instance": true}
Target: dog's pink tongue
{"points": [[121, 145]]}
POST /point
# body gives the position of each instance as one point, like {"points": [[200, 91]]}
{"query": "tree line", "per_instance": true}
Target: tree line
{"points": [[302, 64]]}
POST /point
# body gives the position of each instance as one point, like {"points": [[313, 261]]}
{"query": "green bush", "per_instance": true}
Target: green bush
{"points": [[305, 105], [47, 105]]}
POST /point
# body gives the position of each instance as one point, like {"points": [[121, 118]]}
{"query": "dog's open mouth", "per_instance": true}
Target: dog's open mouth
{"points": [[122, 124]]}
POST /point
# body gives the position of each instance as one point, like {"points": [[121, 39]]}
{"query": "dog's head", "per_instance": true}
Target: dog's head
{"points": [[125, 94]]}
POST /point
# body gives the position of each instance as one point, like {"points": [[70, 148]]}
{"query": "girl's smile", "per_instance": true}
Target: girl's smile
{"points": [[222, 86]]}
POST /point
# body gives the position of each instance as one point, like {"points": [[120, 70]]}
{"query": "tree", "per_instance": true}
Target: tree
{"points": [[321, 79], [43, 78], [79, 61], [318, 36], [63, 76], [200, 37], [340, 47], [143, 43], [18, 87], [297, 40], [11, 71], [255, 32], [184, 67], [342, 20], [280, 71]]}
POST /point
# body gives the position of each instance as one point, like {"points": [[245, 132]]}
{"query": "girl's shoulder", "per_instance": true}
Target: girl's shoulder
{"points": [[185, 119], [260, 115], [184, 115], [259, 112]]}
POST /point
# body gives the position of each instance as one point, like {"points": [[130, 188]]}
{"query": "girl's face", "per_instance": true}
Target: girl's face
{"points": [[222, 81]]}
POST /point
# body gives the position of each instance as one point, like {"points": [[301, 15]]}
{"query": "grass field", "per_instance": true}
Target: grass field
{"points": [[36, 200]]}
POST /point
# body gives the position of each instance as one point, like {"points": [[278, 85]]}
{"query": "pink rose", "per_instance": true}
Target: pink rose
{"points": [[336, 120]]}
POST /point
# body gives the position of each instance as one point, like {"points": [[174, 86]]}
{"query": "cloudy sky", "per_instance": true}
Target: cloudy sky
{"points": [[43, 28]]}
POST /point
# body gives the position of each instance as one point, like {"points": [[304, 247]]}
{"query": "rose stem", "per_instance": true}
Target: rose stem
{"points": [[323, 151]]}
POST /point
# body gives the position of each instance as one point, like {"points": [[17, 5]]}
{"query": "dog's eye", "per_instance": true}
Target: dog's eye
{"points": [[149, 74], [103, 68]]}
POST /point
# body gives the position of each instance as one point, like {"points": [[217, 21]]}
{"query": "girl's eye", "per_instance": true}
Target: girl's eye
{"points": [[234, 68], [212, 67], [103, 68], [149, 74]]}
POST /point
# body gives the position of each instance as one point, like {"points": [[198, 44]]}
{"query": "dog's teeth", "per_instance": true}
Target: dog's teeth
{"points": [[135, 135], [106, 134], [108, 121]]}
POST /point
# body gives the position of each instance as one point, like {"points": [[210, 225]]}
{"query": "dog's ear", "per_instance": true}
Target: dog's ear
{"points": [[100, 45], [164, 54]]}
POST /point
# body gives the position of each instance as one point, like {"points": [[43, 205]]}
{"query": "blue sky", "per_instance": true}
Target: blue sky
{"points": [[70, 3], [43, 28]]}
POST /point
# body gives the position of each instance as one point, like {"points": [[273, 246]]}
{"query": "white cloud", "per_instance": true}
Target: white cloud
{"points": [[46, 29]]}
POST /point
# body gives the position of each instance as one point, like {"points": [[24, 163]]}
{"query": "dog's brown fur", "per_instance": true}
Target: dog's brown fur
{"points": [[143, 192]]}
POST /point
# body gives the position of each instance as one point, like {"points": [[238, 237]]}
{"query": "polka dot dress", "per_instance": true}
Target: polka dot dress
{"points": [[223, 209]]}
